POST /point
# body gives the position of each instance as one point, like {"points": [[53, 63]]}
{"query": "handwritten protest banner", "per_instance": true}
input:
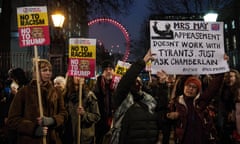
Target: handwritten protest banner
{"points": [[82, 57], [187, 47], [33, 26]]}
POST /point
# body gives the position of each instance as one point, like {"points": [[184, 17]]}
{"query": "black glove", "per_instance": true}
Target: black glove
{"points": [[47, 121], [39, 131]]}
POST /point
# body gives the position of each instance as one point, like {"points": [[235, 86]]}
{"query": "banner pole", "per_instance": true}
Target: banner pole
{"points": [[38, 87], [81, 81]]}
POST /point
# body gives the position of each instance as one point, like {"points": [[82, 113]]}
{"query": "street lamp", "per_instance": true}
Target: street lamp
{"points": [[58, 20], [57, 50], [210, 17]]}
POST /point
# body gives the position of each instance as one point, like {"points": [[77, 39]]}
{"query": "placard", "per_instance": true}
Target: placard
{"points": [[82, 57], [187, 47], [33, 26]]}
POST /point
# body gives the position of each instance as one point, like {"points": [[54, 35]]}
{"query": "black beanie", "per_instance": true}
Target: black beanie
{"points": [[18, 75], [106, 64]]}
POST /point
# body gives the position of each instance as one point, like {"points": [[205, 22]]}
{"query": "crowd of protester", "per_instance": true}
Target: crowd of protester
{"points": [[202, 109]]}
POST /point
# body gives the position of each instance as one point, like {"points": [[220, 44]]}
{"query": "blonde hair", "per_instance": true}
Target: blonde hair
{"points": [[14, 85], [61, 80]]}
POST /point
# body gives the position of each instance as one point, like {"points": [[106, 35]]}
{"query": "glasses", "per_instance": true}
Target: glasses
{"points": [[191, 86]]}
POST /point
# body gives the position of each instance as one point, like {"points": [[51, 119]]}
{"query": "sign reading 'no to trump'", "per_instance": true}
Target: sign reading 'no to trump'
{"points": [[33, 26]]}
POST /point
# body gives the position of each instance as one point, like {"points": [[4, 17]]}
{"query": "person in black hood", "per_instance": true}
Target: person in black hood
{"points": [[19, 76], [18, 79], [140, 124]]}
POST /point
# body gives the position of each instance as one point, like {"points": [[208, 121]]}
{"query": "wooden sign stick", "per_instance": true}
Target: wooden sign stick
{"points": [[81, 81], [38, 88]]}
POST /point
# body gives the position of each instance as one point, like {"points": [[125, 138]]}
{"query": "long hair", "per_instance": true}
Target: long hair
{"points": [[70, 87], [41, 64], [236, 85]]}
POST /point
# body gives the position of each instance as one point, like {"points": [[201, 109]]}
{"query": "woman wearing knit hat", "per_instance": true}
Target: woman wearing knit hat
{"points": [[192, 86], [24, 113], [104, 92], [193, 124]]}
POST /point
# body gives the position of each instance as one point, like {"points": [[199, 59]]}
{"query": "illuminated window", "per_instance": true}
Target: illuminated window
{"points": [[233, 24], [234, 42], [225, 26], [227, 44], [234, 60]]}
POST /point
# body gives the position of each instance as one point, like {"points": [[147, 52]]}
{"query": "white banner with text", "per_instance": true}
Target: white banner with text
{"points": [[187, 47]]}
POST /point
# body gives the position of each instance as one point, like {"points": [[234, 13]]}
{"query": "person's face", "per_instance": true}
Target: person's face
{"points": [[59, 85], [14, 90], [136, 87], [107, 73], [46, 74], [190, 90], [76, 80]]}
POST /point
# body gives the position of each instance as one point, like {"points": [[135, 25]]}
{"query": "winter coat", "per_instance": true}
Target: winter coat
{"points": [[25, 109], [139, 125], [88, 120], [194, 124], [103, 92]]}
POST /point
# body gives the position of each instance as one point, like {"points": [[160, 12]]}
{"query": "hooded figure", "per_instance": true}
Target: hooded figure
{"points": [[18, 75], [139, 124]]}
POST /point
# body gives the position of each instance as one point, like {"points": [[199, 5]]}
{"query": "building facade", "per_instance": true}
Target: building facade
{"points": [[230, 15]]}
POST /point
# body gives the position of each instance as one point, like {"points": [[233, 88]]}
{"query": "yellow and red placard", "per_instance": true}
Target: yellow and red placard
{"points": [[33, 26], [120, 69], [82, 57]]}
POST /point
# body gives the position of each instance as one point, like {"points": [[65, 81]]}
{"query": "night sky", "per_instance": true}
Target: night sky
{"points": [[112, 37]]}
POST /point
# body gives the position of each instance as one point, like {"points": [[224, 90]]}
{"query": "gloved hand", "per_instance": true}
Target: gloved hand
{"points": [[45, 121], [40, 131]]}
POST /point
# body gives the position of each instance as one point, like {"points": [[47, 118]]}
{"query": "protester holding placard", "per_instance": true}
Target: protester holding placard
{"points": [[190, 111], [140, 123], [24, 113], [89, 112], [81, 64]]}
